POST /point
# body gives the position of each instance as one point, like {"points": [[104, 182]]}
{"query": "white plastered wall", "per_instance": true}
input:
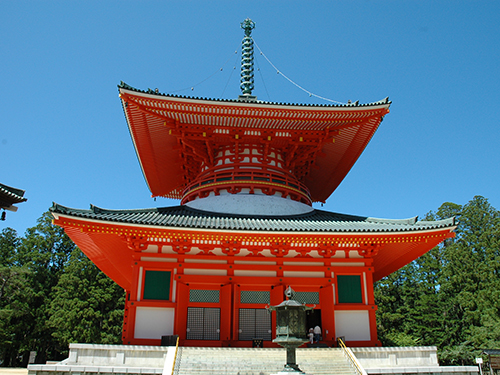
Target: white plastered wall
{"points": [[353, 325], [154, 322]]}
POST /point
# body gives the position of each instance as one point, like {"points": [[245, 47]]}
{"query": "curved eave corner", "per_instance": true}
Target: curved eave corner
{"points": [[394, 256], [129, 125], [109, 253]]}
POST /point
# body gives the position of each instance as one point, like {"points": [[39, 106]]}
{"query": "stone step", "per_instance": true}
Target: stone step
{"points": [[308, 370], [262, 361]]}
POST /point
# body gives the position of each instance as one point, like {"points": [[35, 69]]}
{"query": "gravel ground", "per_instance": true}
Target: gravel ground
{"points": [[13, 371]]}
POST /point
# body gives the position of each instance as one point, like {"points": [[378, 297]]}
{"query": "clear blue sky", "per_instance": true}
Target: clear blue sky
{"points": [[64, 138]]}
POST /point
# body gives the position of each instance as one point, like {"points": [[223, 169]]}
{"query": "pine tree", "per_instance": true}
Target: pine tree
{"points": [[470, 280], [45, 249], [87, 306], [452, 298], [51, 295], [15, 297]]}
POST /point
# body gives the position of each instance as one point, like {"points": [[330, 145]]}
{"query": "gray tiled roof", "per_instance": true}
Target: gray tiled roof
{"points": [[123, 85], [315, 221], [492, 351], [10, 196]]}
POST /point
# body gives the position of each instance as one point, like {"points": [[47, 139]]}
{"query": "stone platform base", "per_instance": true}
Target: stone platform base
{"points": [[89, 359]]}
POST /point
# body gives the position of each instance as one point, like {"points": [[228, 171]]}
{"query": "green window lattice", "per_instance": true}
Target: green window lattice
{"points": [[201, 295], [252, 296], [157, 285], [349, 288], [307, 297]]}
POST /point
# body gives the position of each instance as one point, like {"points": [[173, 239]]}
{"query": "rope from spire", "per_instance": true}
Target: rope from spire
{"points": [[292, 82]]}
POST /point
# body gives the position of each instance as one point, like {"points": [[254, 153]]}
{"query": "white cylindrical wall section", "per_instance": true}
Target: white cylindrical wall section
{"points": [[250, 204]]}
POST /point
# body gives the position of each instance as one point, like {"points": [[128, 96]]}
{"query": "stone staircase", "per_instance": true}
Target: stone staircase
{"points": [[246, 361]]}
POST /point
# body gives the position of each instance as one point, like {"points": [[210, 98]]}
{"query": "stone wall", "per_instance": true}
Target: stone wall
{"points": [[407, 361], [397, 357]]}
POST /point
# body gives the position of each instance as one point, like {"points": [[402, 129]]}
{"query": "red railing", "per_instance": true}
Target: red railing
{"points": [[252, 176]]}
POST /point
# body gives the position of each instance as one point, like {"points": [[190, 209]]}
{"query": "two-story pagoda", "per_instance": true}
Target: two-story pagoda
{"points": [[246, 173]]}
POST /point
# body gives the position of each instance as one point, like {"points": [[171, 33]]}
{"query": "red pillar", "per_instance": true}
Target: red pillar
{"points": [[327, 313], [236, 312], [226, 294], [181, 311]]}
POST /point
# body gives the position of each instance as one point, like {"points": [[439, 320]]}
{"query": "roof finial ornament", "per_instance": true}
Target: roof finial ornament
{"points": [[289, 292], [247, 81]]}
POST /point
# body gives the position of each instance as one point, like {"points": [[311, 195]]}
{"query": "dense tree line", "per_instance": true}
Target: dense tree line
{"points": [[448, 297], [51, 295]]}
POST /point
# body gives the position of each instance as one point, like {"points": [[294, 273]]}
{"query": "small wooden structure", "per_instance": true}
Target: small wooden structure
{"points": [[10, 196]]}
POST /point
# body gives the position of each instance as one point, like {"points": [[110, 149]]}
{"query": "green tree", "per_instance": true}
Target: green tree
{"points": [[44, 250], [449, 297], [15, 296], [469, 281], [9, 241], [428, 317], [87, 306], [393, 296], [51, 295]]}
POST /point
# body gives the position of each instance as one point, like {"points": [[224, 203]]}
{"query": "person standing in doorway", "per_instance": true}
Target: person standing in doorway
{"points": [[317, 334]]}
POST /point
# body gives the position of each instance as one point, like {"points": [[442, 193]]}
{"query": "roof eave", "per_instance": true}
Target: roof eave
{"points": [[59, 211], [124, 88]]}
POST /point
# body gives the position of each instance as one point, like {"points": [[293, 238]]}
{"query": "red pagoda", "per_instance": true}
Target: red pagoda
{"points": [[246, 173]]}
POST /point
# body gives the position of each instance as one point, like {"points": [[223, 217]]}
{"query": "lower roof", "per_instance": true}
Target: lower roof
{"points": [[108, 237], [314, 221]]}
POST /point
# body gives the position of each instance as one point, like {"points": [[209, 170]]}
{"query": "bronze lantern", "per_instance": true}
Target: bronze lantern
{"points": [[291, 329]]}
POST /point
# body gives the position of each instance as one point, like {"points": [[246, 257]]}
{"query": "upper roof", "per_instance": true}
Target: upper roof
{"points": [[10, 196], [350, 104], [328, 138], [315, 221]]}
